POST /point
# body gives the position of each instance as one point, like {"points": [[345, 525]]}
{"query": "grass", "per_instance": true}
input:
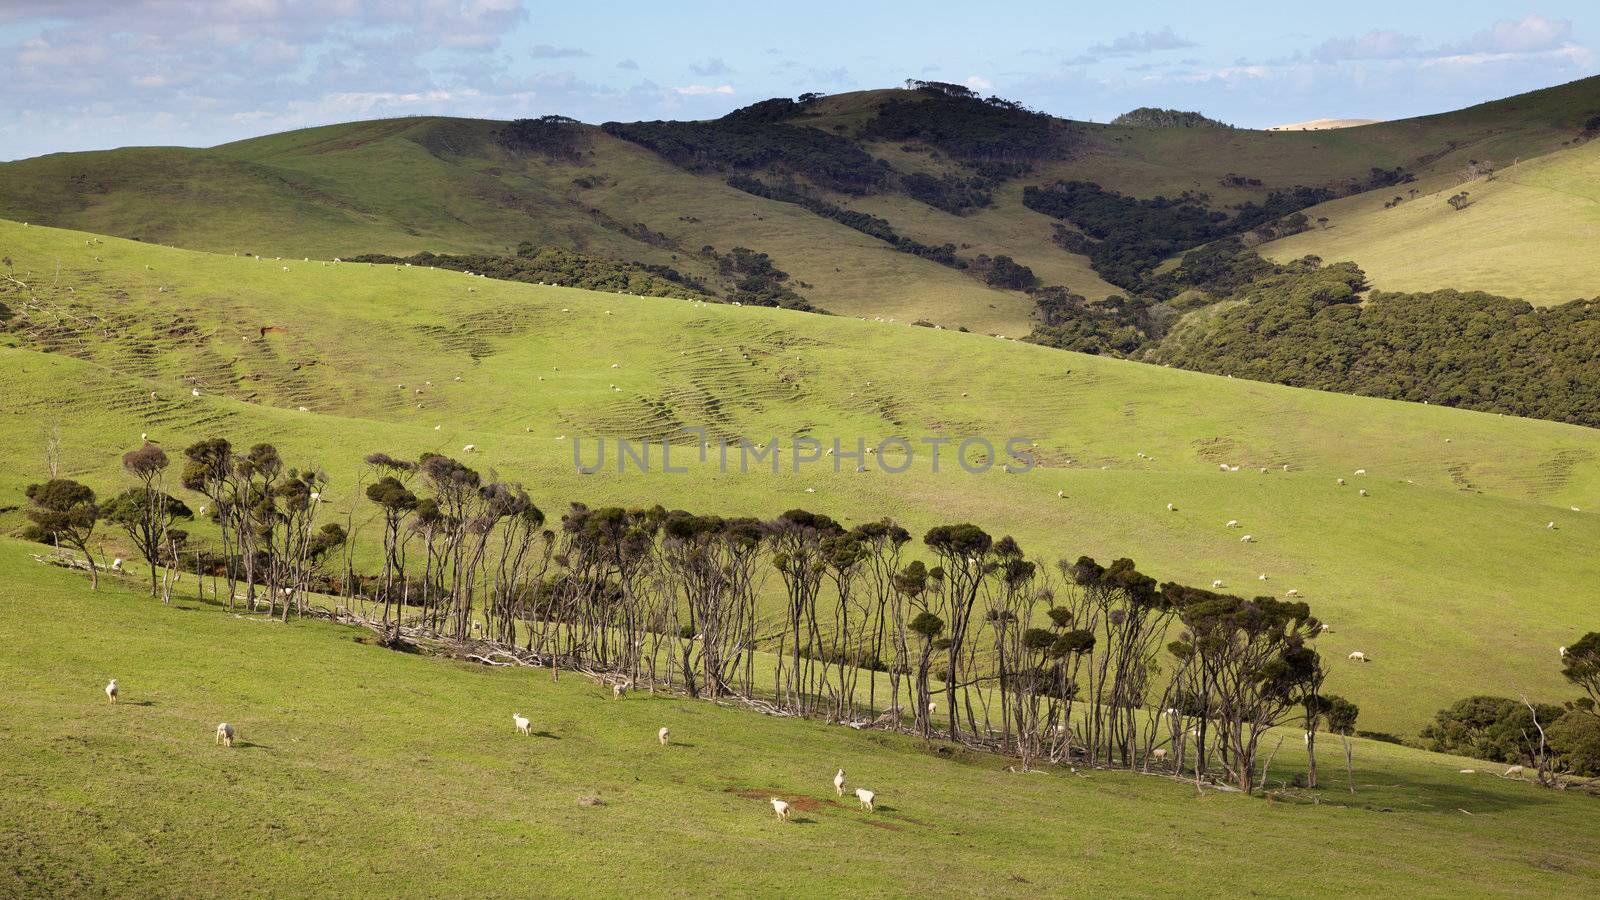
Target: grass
{"points": [[1517, 238], [1445, 576], [403, 185], [360, 771]]}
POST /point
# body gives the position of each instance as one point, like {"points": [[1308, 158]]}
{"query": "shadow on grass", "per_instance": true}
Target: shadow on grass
{"points": [[137, 703], [547, 734]]}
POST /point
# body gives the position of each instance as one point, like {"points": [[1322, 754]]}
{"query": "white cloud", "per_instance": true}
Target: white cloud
{"points": [[702, 90], [1134, 43], [1531, 34], [979, 83], [1372, 45]]}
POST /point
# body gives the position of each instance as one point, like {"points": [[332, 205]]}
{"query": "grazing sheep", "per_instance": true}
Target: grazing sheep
{"points": [[1247, 539], [1361, 471], [225, 734], [1171, 508], [1341, 481], [617, 690], [1222, 467], [1262, 577], [1233, 468], [1358, 656], [522, 722], [1562, 651], [1551, 526], [1325, 627], [866, 797], [1160, 754], [1292, 593], [933, 707], [1515, 771], [1217, 583], [781, 809], [662, 735], [111, 689], [1363, 492], [1233, 523], [838, 782], [469, 448], [116, 564], [194, 392]]}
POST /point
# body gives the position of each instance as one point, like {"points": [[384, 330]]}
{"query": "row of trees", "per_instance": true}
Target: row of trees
{"points": [[965, 636]]}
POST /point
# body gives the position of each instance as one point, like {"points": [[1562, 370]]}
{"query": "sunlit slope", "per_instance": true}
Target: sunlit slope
{"points": [[1530, 231], [359, 771], [1446, 575], [404, 185]]}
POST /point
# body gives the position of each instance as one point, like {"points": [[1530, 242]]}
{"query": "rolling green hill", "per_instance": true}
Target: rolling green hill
{"points": [[1446, 575], [1520, 235], [453, 185], [359, 771]]}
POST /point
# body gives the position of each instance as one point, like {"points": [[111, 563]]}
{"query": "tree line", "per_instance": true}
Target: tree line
{"points": [[959, 635]]}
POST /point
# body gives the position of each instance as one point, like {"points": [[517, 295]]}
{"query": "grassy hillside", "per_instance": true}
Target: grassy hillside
{"points": [[1420, 575], [404, 185], [360, 771], [1519, 236]]}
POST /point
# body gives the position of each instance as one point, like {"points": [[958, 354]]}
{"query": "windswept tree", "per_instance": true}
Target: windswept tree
{"points": [[64, 512], [208, 471], [965, 555], [1255, 664], [1581, 666], [147, 514], [796, 538], [927, 627], [397, 502]]}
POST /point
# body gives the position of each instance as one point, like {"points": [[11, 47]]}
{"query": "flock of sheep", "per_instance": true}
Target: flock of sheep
{"points": [[226, 735]]}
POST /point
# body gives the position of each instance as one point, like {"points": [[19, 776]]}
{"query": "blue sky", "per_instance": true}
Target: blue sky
{"points": [[90, 74]]}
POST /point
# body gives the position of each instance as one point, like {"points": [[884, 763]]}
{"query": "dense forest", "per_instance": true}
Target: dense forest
{"points": [[754, 138], [1307, 327], [553, 265], [1156, 117]]}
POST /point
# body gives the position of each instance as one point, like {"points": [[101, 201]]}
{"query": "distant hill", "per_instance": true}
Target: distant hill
{"points": [[1155, 117], [894, 204]]}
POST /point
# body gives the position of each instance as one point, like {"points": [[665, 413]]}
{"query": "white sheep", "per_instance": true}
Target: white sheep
{"points": [[1562, 651], [838, 782], [1171, 508], [1292, 592], [1361, 471], [1160, 754], [523, 723], [1233, 468], [111, 690], [662, 735], [781, 809], [1216, 583], [225, 734], [1358, 656], [1551, 526], [1222, 467], [1363, 492], [1233, 523], [194, 392], [469, 448], [1513, 771], [1262, 577], [933, 707], [1341, 481], [617, 690], [116, 564], [1247, 539], [866, 797]]}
